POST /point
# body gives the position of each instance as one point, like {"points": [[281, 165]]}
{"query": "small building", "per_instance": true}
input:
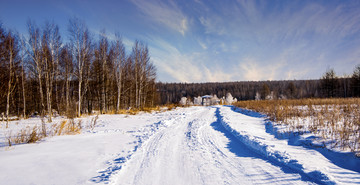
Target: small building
{"points": [[210, 100], [206, 100]]}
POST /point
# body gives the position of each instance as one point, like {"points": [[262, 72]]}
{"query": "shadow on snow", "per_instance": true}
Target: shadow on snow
{"points": [[346, 160], [240, 149]]}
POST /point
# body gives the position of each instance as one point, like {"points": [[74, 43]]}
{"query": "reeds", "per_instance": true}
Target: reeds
{"points": [[336, 121], [25, 135], [38, 132]]}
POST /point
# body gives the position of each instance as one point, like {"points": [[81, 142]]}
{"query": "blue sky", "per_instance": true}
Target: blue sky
{"points": [[217, 41]]}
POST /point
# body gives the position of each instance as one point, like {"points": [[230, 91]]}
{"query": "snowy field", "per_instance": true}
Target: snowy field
{"points": [[195, 145]]}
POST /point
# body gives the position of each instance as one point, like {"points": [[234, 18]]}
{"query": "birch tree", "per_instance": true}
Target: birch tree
{"points": [[81, 51], [54, 43], [10, 52], [66, 68], [119, 60], [103, 58], [33, 49]]}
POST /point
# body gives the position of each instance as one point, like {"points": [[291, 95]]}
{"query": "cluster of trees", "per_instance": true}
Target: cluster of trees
{"points": [[328, 86], [40, 73], [333, 86]]}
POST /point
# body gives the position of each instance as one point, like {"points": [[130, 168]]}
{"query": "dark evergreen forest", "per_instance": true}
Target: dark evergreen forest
{"points": [[328, 86]]}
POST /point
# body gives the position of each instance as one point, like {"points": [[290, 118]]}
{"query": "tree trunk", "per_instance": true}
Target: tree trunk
{"points": [[9, 90], [67, 91], [79, 105], [103, 100], [48, 95], [41, 92], [118, 93], [23, 88]]}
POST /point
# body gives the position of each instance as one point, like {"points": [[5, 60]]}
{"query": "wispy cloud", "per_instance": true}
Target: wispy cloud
{"points": [[166, 13], [171, 62], [185, 67]]}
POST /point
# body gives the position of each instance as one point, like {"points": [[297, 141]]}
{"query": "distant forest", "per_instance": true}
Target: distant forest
{"points": [[328, 86]]}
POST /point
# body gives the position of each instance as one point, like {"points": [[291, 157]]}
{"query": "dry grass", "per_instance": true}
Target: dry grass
{"points": [[170, 106], [36, 133], [93, 122], [67, 127], [134, 111], [25, 135], [336, 120]]}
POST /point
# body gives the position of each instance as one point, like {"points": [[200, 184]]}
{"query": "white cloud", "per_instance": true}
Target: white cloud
{"points": [[172, 64], [165, 13], [216, 75], [252, 71], [213, 25]]}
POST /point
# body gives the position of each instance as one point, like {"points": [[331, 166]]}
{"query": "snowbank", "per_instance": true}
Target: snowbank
{"points": [[253, 130]]}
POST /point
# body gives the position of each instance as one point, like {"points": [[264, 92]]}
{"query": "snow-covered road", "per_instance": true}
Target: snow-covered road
{"points": [[196, 149], [195, 145]]}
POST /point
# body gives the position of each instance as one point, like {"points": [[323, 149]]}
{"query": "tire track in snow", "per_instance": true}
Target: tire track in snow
{"points": [[141, 136], [193, 150]]}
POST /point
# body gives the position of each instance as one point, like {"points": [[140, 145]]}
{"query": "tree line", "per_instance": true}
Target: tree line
{"points": [[329, 85], [41, 74]]}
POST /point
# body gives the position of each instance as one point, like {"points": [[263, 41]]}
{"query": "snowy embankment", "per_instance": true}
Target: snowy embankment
{"points": [[315, 164]]}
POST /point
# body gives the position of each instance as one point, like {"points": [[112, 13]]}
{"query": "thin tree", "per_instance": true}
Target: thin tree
{"points": [[33, 49], [54, 44], [11, 50], [136, 59], [103, 54], [23, 77], [48, 69], [66, 66], [81, 51], [119, 59]]}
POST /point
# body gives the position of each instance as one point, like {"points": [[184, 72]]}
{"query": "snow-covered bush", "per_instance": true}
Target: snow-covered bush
{"points": [[197, 100], [183, 101], [229, 99], [214, 100], [258, 96], [271, 96]]}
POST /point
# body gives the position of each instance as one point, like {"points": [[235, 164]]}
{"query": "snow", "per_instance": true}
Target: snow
{"points": [[321, 165], [195, 145]]}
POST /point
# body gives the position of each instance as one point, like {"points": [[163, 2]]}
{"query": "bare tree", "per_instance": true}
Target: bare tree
{"points": [[66, 68], [33, 49], [50, 46], [81, 51], [119, 59], [54, 44], [23, 76], [144, 73], [136, 59], [147, 76], [103, 56], [10, 54]]}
